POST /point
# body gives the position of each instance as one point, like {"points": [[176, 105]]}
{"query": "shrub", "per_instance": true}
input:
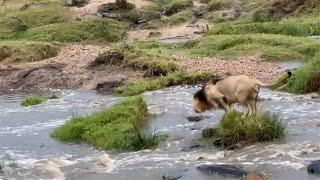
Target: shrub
{"points": [[173, 79], [178, 5], [120, 127], [220, 4], [235, 128], [37, 99]]}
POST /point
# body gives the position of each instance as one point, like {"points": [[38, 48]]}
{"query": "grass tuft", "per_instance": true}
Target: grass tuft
{"points": [[37, 99], [220, 4], [307, 78], [172, 79], [235, 128], [120, 127], [175, 6], [27, 51]]}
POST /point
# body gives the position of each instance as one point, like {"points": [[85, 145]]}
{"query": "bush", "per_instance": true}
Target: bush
{"points": [[120, 127], [37, 99], [220, 4], [77, 31], [178, 5], [235, 128], [173, 79]]}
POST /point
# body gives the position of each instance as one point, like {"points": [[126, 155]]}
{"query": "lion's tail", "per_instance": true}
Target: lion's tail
{"points": [[261, 84]]}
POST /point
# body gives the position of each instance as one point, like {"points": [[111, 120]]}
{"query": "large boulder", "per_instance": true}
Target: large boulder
{"points": [[222, 169], [314, 167]]}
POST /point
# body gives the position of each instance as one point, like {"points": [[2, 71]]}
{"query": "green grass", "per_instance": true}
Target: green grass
{"points": [[27, 51], [217, 16], [175, 19], [307, 78], [41, 14], [306, 26], [129, 56], [220, 4], [77, 31], [173, 79], [175, 6], [271, 47], [120, 127], [235, 128], [37, 99]]}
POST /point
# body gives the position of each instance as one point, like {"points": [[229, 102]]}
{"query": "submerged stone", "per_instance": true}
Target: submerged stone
{"points": [[174, 174], [224, 169], [314, 167], [196, 118]]}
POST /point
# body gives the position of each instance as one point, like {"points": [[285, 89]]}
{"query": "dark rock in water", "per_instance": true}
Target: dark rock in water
{"points": [[108, 87], [174, 174], [217, 142], [236, 146], [224, 169], [196, 118], [209, 132], [314, 167], [186, 149]]}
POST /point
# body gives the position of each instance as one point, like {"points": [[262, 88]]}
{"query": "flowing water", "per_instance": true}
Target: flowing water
{"points": [[28, 152]]}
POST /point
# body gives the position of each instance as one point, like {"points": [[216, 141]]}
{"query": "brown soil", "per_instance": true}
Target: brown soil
{"points": [[186, 30], [69, 70], [249, 65]]}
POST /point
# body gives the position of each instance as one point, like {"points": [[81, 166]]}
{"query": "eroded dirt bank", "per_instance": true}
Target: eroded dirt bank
{"points": [[69, 70]]}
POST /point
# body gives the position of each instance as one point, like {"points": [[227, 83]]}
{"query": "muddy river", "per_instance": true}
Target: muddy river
{"points": [[28, 152]]}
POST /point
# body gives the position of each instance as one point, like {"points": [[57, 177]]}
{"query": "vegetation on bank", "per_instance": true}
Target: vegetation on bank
{"points": [[27, 51], [105, 30], [236, 128], [175, 19], [129, 56], [307, 78], [120, 127], [37, 99], [306, 26], [271, 47], [172, 79]]}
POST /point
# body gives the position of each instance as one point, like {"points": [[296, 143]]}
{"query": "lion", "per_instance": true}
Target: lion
{"points": [[223, 94]]}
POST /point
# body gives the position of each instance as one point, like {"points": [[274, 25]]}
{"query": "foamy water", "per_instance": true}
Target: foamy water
{"points": [[28, 152]]}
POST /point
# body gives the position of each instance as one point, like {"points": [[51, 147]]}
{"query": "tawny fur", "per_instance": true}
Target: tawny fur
{"points": [[240, 89]]}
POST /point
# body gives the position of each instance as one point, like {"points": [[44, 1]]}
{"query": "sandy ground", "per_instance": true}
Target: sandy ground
{"points": [[185, 30], [90, 10], [69, 70], [248, 65]]}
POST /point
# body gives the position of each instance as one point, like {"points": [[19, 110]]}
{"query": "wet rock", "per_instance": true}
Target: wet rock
{"points": [[174, 174], [224, 169], [236, 146], [192, 147], [314, 167], [108, 87], [254, 176], [209, 132], [196, 118], [217, 142]]}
